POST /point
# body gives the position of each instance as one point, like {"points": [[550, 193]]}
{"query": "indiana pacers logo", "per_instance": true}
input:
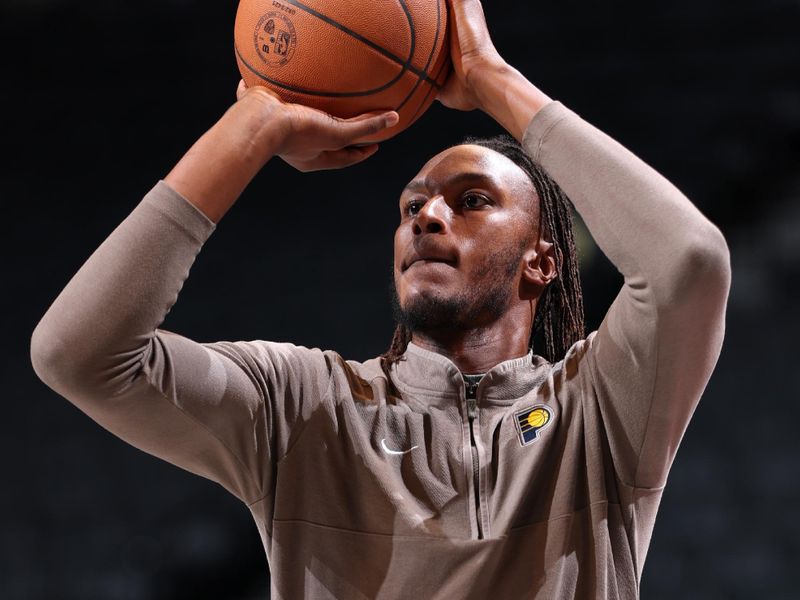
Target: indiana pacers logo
{"points": [[531, 421]]}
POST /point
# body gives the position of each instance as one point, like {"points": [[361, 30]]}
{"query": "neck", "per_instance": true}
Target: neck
{"points": [[478, 350]]}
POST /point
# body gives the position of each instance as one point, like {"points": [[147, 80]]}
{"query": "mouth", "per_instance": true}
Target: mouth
{"points": [[427, 261]]}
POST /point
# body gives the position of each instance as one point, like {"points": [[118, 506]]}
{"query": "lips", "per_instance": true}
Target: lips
{"points": [[428, 260], [428, 254]]}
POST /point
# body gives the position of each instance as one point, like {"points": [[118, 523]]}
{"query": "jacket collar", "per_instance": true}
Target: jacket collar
{"points": [[424, 372]]}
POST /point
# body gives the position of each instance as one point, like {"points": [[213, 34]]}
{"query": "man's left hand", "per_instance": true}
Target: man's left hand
{"points": [[473, 54]]}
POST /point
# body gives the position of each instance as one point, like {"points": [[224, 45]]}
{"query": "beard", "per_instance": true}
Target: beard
{"points": [[469, 308]]}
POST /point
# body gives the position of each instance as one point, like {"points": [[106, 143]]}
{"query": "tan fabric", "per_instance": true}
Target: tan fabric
{"points": [[361, 485]]}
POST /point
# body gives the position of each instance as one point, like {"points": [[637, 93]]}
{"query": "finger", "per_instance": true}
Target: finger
{"points": [[241, 89], [339, 159], [346, 157], [366, 115], [346, 131], [470, 24], [266, 90]]}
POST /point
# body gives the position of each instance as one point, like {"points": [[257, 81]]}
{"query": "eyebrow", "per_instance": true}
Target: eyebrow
{"points": [[458, 178]]}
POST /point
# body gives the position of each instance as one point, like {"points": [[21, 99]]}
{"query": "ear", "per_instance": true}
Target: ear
{"points": [[540, 265]]}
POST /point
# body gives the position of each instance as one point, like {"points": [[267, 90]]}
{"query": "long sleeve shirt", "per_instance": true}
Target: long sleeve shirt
{"points": [[373, 483]]}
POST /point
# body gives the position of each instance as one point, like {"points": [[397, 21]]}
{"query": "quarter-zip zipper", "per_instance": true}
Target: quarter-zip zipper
{"points": [[472, 411]]}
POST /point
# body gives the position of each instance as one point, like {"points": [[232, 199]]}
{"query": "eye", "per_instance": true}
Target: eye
{"points": [[413, 206], [473, 200]]}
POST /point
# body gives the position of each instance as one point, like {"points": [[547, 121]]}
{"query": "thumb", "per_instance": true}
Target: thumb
{"points": [[364, 125]]}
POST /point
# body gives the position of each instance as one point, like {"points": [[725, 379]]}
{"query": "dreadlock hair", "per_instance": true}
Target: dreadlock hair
{"points": [[559, 315]]}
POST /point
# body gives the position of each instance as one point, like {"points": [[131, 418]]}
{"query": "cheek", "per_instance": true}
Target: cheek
{"points": [[472, 254], [400, 245], [487, 258]]}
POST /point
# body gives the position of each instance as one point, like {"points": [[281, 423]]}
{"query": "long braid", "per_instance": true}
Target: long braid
{"points": [[560, 309], [400, 341], [559, 315]]}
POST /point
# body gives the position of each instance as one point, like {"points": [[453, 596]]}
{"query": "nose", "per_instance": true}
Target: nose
{"points": [[432, 217]]}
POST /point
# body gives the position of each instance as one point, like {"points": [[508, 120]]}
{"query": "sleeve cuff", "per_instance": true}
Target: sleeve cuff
{"points": [[180, 211]]}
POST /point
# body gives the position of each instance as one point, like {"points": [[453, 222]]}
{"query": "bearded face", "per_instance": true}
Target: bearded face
{"points": [[468, 307], [466, 222]]}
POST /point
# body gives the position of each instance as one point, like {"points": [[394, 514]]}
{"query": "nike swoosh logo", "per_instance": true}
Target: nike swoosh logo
{"points": [[390, 451]]}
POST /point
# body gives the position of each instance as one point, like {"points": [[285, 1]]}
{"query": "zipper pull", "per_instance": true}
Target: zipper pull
{"points": [[471, 383], [472, 400], [472, 408]]}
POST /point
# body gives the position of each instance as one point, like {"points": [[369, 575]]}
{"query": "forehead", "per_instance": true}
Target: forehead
{"points": [[477, 160]]}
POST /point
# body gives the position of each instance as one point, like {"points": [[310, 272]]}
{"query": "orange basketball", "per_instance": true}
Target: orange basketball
{"points": [[347, 57]]}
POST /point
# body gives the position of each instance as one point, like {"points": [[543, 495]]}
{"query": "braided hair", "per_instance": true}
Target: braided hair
{"points": [[559, 319]]}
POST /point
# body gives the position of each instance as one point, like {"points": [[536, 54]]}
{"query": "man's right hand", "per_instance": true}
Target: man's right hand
{"points": [[215, 171], [312, 140]]}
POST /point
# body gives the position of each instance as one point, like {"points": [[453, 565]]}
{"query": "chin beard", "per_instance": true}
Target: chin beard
{"points": [[467, 309], [431, 313]]}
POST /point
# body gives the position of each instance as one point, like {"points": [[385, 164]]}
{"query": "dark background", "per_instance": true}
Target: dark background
{"points": [[101, 97]]}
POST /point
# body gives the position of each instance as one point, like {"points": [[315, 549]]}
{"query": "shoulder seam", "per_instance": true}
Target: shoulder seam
{"points": [[325, 397], [211, 433]]}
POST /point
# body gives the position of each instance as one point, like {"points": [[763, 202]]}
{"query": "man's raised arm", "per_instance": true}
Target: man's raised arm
{"points": [[204, 407], [654, 352]]}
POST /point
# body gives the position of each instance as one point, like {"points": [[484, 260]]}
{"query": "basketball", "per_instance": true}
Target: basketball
{"points": [[346, 57]]}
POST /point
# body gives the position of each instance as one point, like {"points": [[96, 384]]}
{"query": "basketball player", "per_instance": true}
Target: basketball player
{"points": [[464, 462]]}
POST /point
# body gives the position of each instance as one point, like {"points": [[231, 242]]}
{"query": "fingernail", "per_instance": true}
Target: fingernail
{"points": [[392, 118]]}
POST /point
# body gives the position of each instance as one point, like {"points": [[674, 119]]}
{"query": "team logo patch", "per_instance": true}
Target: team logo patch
{"points": [[531, 421]]}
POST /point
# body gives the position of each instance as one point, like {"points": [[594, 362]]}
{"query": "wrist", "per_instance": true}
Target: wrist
{"points": [[260, 125], [508, 97], [215, 171]]}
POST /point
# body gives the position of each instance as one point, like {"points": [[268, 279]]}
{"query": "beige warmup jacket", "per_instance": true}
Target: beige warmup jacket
{"points": [[361, 485]]}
